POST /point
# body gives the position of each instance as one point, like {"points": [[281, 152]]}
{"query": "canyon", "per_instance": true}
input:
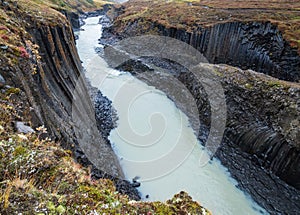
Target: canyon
{"points": [[261, 143]]}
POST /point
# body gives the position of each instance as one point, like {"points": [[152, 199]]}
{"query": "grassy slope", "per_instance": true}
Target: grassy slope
{"points": [[188, 14], [38, 176]]}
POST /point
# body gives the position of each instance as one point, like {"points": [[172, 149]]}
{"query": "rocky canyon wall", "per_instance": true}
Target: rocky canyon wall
{"points": [[47, 77], [259, 46], [262, 118], [263, 113]]}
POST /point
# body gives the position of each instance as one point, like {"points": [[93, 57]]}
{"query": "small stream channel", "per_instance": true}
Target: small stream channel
{"points": [[154, 140]]}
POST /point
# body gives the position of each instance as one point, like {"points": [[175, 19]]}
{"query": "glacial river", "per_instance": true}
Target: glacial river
{"points": [[154, 140]]}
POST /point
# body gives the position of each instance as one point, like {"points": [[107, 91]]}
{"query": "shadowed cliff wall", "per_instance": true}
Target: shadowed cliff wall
{"points": [[255, 45], [48, 90]]}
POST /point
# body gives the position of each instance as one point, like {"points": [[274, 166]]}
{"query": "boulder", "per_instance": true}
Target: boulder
{"points": [[22, 128]]}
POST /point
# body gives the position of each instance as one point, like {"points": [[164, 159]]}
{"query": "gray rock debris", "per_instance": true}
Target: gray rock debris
{"points": [[2, 81], [22, 128]]}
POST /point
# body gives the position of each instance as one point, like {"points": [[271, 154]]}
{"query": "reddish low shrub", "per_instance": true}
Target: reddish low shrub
{"points": [[23, 52]]}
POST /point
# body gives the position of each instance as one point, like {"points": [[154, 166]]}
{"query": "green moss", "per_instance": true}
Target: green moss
{"points": [[274, 83], [64, 187], [12, 90], [93, 192], [60, 209], [20, 151], [51, 206], [162, 209], [248, 86]]}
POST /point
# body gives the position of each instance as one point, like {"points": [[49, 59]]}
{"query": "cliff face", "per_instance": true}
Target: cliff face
{"points": [[47, 69], [55, 80], [262, 118], [44, 64], [259, 46], [261, 36], [255, 45]]}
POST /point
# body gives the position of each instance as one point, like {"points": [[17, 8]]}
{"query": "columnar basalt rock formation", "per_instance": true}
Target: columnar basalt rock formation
{"points": [[262, 118], [256, 45], [47, 76]]}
